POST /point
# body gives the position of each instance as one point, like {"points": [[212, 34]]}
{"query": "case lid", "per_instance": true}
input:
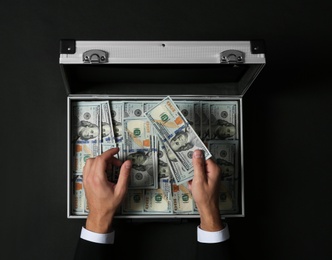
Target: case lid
{"points": [[222, 68]]}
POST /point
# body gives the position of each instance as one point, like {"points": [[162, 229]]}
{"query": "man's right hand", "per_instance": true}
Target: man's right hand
{"points": [[205, 190]]}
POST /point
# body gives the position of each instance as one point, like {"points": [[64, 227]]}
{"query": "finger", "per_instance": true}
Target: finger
{"points": [[121, 186], [103, 160], [116, 162], [109, 153], [113, 162], [213, 170], [199, 166], [87, 166]]}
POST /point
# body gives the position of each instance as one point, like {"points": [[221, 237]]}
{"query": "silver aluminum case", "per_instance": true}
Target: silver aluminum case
{"points": [[162, 52]]}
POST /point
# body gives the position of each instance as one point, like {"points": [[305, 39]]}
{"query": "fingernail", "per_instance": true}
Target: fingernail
{"points": [[198, 154]]}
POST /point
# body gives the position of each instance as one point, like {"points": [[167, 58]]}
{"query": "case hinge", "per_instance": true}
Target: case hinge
{"points": [[95, 56], [232, 56]]}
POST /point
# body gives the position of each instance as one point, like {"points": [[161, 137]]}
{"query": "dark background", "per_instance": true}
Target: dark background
{"points": [[287, 123]]}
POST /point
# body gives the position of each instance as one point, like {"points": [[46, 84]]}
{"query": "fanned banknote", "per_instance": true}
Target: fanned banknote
{"points": [[177, 133], [164, 164], [180, 174], [107, 135], [139, 141], [117, 118]]}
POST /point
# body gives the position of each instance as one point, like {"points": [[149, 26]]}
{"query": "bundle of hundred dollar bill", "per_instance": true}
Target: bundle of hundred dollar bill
{"points": [[159, 137], [178, 137]]}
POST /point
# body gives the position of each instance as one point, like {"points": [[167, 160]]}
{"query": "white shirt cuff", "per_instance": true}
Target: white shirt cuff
{"points": [[212, 237], [107, 238]]}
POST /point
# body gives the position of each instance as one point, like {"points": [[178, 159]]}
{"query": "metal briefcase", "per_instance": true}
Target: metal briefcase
{"points": [[205, 79]]}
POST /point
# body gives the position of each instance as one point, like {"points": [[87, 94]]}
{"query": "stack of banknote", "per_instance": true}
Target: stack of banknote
{"points": [[159, 137]]}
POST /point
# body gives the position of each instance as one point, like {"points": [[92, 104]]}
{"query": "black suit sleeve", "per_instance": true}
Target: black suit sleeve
{"points": [[87, 250], [220, 250]]}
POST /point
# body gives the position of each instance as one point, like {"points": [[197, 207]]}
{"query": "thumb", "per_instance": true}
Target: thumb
{"points": [[122, 183], [199, 165]]}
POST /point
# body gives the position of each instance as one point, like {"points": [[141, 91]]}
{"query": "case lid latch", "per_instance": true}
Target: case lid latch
{"points": [[232, 56], [95, 56]]}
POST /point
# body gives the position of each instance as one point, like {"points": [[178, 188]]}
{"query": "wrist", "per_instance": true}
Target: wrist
{"points": [[99, 223], [211, 220]]}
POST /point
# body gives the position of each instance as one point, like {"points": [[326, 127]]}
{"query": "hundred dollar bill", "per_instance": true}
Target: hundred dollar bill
{"points": [[205, 121], [198, 118], [223, 120], [226, 201], [117, 118], [176, 132], [225, 154], [113, 114], [132, 109], [187, 109], [147, 105], [86, 129], [169, 164], [86, 206], [139, 142], [159, 200], [133, 202], [113, 173], [138, 133], [78, 198], [180, 174], [164, 165], [108, 137], [183, 201], [107, 134]]}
